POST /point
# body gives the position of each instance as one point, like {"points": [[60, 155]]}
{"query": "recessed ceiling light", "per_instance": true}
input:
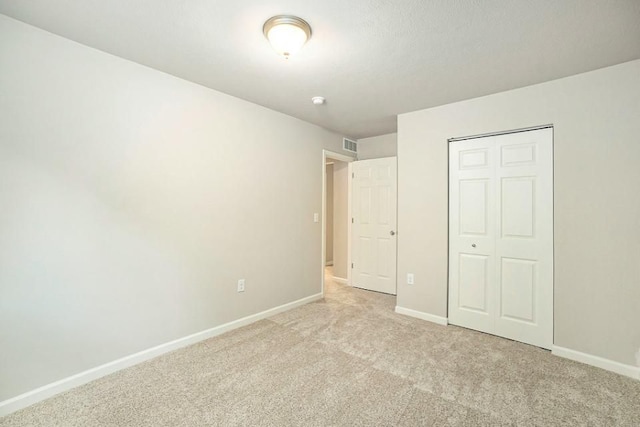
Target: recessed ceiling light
{"points": [[318, 100], [287, 34]]}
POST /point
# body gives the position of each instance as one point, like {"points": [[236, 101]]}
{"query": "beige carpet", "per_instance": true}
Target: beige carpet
{"points": [[348, 360]]}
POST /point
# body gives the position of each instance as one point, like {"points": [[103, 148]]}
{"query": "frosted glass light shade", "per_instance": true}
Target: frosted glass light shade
{"points": [[287, 34]]}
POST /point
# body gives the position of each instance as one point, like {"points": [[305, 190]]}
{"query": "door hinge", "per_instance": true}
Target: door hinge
{"points": [[353, 174], [351, 220], [351, 265]]}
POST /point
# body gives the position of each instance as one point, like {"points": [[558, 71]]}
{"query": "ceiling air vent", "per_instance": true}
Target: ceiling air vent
{"points": [[349, 145]]}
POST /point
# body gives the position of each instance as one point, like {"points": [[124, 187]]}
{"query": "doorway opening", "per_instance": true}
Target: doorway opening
{"points": [[336, 211]]}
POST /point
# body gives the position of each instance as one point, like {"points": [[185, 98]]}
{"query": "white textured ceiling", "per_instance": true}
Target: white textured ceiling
{"points": [[371, 59]]}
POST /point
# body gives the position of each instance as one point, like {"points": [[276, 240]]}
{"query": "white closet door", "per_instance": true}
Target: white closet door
{"points": [[510, 222], [472, 234], [374, 200], [524, 239]]}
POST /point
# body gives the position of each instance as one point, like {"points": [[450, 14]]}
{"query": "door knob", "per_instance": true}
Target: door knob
{"points": [[473, 245], [393, 233]]}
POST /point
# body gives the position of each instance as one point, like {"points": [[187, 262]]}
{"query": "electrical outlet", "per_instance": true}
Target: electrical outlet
{"points": [[409, 278], [241, 285]]}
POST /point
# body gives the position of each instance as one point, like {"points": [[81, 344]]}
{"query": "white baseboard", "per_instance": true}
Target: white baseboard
{"points": [[29, 398], [421, 315], [328, 263], [340, 280], [599, 362]]}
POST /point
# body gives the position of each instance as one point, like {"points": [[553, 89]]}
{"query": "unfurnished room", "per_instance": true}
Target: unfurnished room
{"points": [[320, 213]]}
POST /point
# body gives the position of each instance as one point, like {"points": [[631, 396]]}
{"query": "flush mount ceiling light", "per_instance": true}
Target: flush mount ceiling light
{"points": [[286, 33]]}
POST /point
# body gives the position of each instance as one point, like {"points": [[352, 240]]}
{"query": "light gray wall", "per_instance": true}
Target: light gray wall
{"points": [[596, 195], [133, 201], [340, 218], [378, 147], [329, 214]]}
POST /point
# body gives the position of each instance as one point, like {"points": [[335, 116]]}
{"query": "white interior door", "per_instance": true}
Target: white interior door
{"points": [[501, 235], [472, 234], [373, 209]]}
